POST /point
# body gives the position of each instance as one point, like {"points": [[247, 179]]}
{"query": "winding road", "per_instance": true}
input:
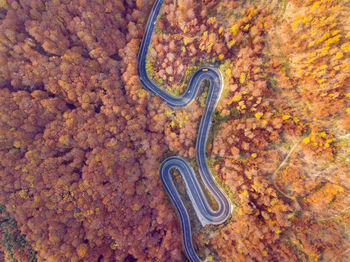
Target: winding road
{"points": [[204, 212]]}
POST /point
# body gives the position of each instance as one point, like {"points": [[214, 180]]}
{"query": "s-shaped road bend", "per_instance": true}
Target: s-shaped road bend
{"points": [[204, 212]]}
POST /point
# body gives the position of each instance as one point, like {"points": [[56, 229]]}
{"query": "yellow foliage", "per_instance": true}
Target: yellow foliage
{"points": [[252, 13], [64, 139], [257, 186], [315, 5], [234, 29], [274, 201], [258, 115], [314, 257], [241, 105], [23, 194], [323, 37], [339, 55], [81, 250], [324, 51], [242, 78], [212, 20], [335, 32], [30, 179], [141, 93], [236, 98], [246, 28], [311, 60], [4, 4], [113, 245], [306, 140], [17, 144], [244, 193], [346, 47], [85, 98], [231, 43], [187, 40], [333, 40]]}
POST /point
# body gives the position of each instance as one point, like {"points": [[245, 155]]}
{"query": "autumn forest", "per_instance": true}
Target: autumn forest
{"points": [[81, 140]]}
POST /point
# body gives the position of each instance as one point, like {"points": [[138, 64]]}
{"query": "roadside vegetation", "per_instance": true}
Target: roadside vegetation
{"points": [[278, 142]]}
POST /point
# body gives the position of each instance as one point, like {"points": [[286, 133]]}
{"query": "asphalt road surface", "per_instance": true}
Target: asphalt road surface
{"points": [[204, 212]]}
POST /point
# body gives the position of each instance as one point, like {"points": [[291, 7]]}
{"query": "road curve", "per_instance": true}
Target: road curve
{"points": [[204, 212]]}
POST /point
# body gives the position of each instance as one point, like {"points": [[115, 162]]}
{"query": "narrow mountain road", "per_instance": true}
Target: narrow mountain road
{"points": [[204, 212]]}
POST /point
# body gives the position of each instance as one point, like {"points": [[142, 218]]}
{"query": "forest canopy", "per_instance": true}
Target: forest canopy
{"points": [[81, 140]]}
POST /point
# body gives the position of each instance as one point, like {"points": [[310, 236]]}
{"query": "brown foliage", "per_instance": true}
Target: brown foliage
{"points": [[80, 147]]}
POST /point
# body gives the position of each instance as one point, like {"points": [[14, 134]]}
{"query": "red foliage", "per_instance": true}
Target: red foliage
{"points": [[79, 149]]}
